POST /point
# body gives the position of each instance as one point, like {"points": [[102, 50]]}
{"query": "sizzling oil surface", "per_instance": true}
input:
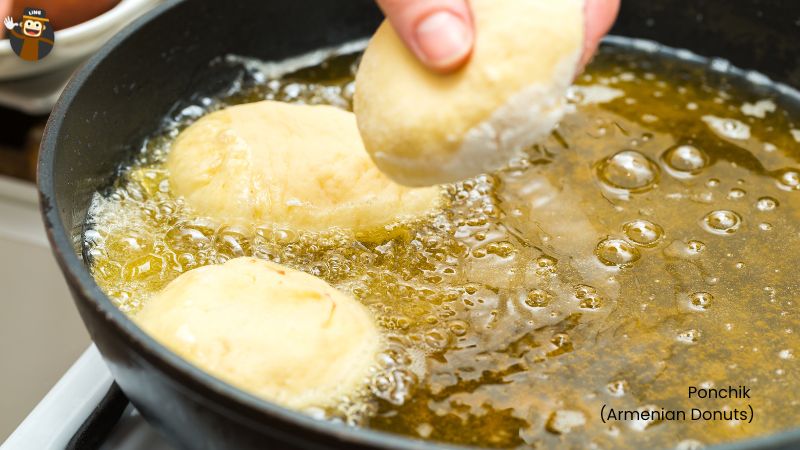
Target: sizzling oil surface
{"points": [[650, 245]]}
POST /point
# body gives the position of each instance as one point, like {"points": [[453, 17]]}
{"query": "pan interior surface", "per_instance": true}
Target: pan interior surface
{"points": [[630, 257]]}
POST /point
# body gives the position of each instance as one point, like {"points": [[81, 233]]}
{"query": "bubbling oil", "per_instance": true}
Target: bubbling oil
{"points": [[649, 245]]}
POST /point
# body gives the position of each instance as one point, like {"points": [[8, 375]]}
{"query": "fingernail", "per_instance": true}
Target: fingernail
{"points": [[443, 38]]}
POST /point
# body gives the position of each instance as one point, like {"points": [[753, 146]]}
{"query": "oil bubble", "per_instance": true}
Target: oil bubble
{"points": [[232, 242], [458, 327], [545, 266], [107, 270], [728, 128], [695, 247], [686, 159], [502, 249], [789, 180], [700, 300], [616, 252], [436, 340], [591, 302], [736, 194], [643, 232], [582, 291], [393, 385], [538, 298], [126, 245], [617, 388], [146, 268], [588, 297], [629, 170], [689, 444], [689, 336], [187, 239], [765, 204], [544, 262], [187, 261], [722, 222]]}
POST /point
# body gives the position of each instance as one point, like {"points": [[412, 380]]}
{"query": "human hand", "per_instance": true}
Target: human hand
{"points": [[440, 32]]}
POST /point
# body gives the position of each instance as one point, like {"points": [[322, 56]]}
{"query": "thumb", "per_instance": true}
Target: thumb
{"points": [[600, 15], [439, 32]]}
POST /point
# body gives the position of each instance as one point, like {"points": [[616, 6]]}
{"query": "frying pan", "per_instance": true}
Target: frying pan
{"points": [[167, 59]]}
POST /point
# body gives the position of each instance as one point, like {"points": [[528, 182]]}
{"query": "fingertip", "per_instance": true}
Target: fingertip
{"points": [[440, 33], [444, 40], [600, 16], [449, 66]]}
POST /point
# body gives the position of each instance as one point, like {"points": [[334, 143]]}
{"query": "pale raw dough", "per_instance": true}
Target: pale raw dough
{"points": [[298, 166], [422, 128], [278, 333]]}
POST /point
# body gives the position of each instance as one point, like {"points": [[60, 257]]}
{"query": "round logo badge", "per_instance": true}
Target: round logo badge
{"points": [[32, 37]]}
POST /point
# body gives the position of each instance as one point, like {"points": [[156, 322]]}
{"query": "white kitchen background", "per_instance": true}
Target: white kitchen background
{"points": [[41, 334]]}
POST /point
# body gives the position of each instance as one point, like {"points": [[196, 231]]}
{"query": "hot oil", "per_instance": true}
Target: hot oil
{"points": [[648, 246]]}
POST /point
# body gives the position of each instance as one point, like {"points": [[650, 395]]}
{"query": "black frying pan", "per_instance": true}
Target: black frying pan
{"points": [[147, 71]]}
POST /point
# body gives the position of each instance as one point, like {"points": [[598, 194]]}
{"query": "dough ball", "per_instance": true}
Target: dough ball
{"points": [[423, 128], [298, 166], [278, 333]]}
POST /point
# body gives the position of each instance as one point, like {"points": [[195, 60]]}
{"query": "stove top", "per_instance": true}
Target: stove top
{"points": [[85, 410]]}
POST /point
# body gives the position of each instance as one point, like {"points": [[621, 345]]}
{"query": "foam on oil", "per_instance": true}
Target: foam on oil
{"points": [[648, 246]]}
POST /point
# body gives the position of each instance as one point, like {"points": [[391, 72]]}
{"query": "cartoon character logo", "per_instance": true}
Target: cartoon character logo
{"points": [[32, 38]]}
